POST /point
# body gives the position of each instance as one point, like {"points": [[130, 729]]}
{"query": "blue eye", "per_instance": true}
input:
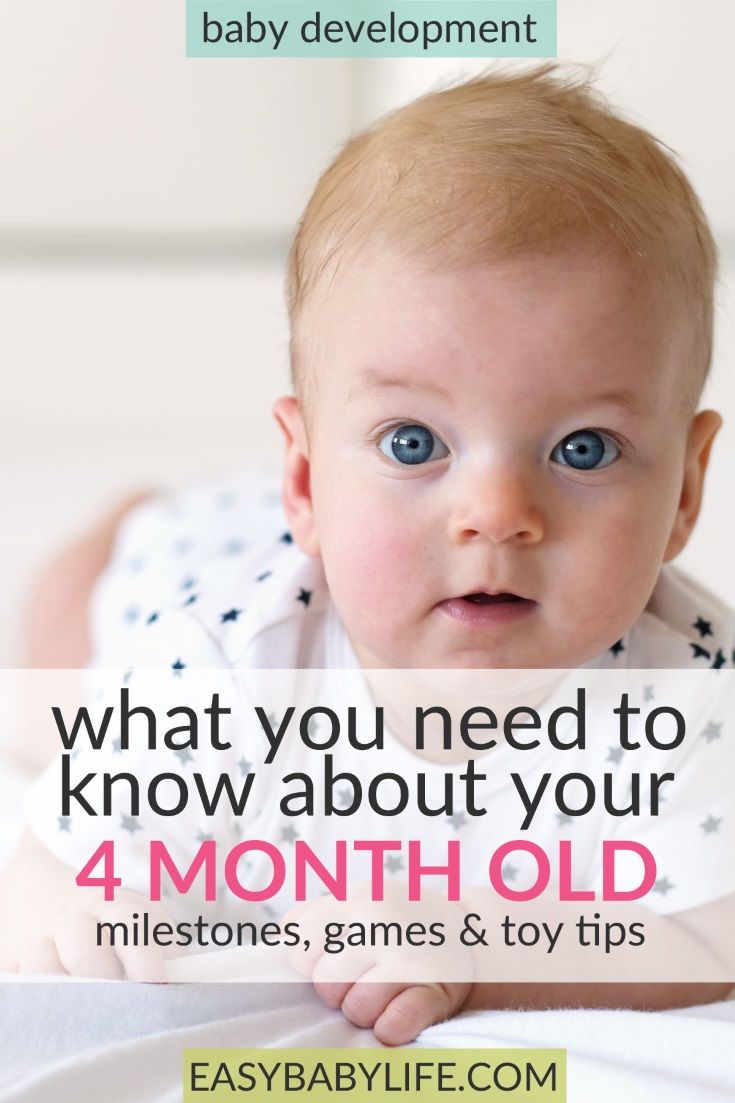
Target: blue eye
{"points": [[585, 450], [412, 444]]}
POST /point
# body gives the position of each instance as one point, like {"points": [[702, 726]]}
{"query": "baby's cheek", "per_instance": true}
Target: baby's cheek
{"points": [[615, 570], [372, 559]]}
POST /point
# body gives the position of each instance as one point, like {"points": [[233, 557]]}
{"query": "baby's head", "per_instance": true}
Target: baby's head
{"points": [[501, 303]]}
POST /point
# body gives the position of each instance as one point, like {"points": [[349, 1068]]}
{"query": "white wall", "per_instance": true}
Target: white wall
{"points": [[145, 205]]}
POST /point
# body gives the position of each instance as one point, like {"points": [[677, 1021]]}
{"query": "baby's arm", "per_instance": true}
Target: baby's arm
{"points": [[49, 924], [398, 1011], [56, 632], [698, 937]]}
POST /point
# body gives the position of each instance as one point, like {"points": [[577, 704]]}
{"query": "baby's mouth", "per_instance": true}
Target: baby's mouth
{"points": [[491, 599], [481, 609]]}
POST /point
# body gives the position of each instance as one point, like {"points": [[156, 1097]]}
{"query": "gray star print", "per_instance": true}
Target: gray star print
{"points": [[614, 754], [712, 731], [663, 885], [344, 796], [129, 823], [711, 824]]}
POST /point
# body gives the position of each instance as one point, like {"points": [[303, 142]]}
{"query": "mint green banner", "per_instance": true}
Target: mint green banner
{"points": [[531, 1075], [371, 28]]}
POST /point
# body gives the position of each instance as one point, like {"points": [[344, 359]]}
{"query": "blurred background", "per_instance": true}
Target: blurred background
{"points": [[146, 204]]}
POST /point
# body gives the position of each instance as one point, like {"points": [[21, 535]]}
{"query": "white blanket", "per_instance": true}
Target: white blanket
{"points": [[74, 1042], [82, 1042]]}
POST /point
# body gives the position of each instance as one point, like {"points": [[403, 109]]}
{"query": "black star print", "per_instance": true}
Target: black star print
{"points": [[177, 667], [304, 596], [699, 652], [262, 577], [617, 648], [704, 627], [287, 538], [719, 659], [231, 614], [152, 618], [192, 598]]}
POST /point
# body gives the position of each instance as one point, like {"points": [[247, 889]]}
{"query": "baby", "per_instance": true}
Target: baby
{"points": [[501, 303]]}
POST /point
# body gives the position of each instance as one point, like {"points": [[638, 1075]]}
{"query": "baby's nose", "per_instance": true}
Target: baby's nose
{"points": [[497, 506]]}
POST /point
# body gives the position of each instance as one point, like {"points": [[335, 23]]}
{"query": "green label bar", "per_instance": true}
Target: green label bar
{"points": [[371, 28], [531, 1075]]}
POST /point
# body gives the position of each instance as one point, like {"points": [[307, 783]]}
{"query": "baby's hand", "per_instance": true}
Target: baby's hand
{"points": [[50, 926], [394, 990], [69, 945], [397, 1012]]}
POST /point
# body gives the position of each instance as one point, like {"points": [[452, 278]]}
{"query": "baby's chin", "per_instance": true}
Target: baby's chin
{"points": [[472, 659], [532, 653]]}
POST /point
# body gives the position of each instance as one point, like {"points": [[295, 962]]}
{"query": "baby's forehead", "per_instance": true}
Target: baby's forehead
{"points": [[572, 321]]}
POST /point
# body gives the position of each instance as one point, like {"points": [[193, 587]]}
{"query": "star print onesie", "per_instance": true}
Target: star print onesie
{"points": [[211, 578]]}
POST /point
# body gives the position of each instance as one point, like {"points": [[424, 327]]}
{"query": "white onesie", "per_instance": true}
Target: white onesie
{"points": [[211, 578]]}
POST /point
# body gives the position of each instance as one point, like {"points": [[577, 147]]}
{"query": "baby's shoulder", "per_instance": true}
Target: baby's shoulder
{"points": [[684, 625], [211, 571]]}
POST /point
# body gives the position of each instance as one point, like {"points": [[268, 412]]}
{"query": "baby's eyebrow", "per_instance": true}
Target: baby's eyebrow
{"points": [[371, 381], [627, 399]]}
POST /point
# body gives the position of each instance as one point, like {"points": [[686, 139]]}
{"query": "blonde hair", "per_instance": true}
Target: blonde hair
{"points": [[512, 162]]}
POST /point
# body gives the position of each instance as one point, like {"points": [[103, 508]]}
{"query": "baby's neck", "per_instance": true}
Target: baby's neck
{"points": [[449, 716]]}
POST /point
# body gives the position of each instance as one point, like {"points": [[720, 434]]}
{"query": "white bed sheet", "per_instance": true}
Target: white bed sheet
{"points": [[81, 1042]]}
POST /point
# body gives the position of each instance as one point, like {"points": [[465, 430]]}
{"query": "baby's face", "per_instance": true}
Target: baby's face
{"points": [[499, 459]]}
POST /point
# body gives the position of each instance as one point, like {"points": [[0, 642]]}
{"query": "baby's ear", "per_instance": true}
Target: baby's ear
{"points": [[296, 493], [702, 432]]}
